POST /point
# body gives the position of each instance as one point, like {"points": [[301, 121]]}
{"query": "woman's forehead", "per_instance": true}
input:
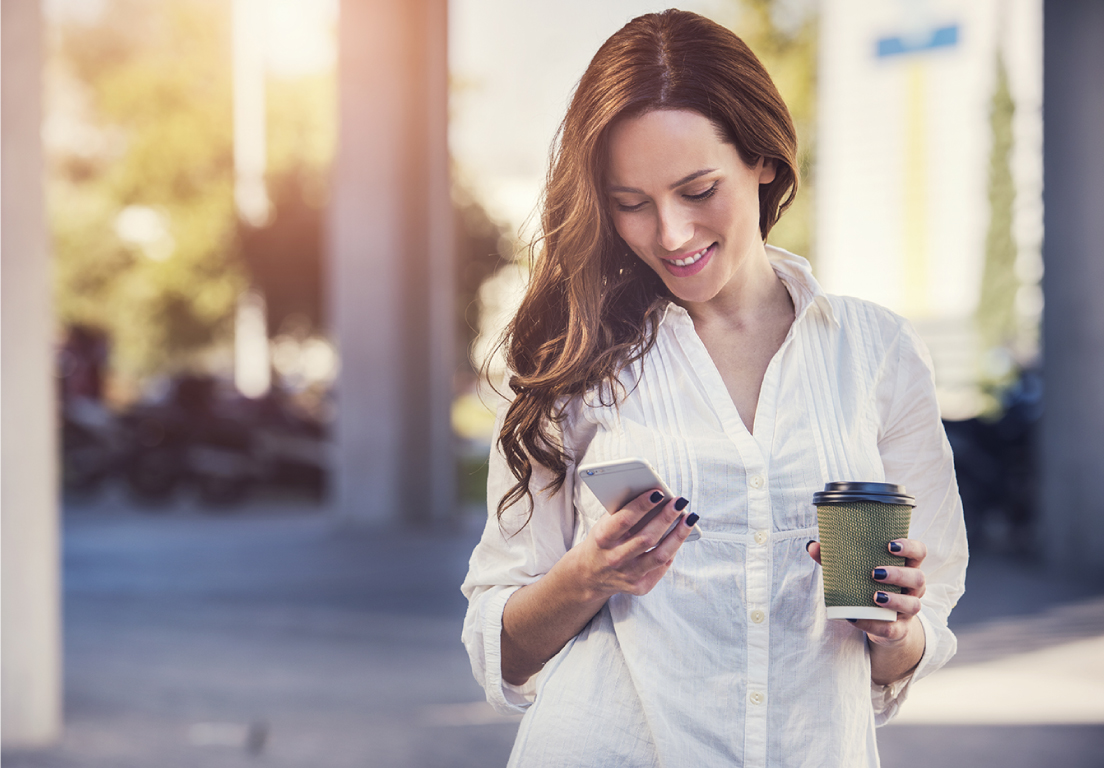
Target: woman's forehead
{"points": [[663, 146]]}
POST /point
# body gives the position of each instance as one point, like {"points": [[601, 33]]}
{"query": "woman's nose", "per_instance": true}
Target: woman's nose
{"points": [[676, 228]]}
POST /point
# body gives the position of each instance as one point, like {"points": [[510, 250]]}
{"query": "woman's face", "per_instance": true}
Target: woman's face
{"points": [[684, 201]]}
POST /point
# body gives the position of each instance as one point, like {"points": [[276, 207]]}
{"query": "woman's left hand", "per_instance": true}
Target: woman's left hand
{"points": [[901, 641]]}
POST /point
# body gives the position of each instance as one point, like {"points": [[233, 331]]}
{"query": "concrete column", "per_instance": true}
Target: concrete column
{"points": [[31, 658], [1072, 523], [391, 265]]}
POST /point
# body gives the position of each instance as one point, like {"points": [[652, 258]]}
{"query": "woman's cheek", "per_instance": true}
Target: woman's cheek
{"points": [[622, 228], [637, 232]]}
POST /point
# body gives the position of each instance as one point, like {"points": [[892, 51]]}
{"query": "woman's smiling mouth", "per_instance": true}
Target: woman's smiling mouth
{"points": [[690, 265]]}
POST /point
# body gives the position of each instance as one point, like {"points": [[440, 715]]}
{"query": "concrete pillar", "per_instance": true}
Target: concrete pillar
{"points": [[391, 265], [31, 657], [1072, 523]]}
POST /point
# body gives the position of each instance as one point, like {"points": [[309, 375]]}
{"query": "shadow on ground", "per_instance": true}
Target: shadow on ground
{"points": [[274, 636]]}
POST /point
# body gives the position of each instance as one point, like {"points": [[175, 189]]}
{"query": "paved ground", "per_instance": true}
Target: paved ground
{"points": [[275, 637]]}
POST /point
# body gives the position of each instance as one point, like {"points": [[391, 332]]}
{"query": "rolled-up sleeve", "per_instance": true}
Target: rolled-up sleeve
{"points": [[916, 454], [513, 552]]}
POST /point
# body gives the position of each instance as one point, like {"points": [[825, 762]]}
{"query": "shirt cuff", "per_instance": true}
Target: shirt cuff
{"points": [[507, 699], [887, 699]]}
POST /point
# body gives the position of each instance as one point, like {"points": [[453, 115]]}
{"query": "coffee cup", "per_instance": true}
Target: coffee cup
{"points": [[857, 521]]}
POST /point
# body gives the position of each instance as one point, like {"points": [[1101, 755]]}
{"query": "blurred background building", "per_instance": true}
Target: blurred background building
{"points": [[930, 173], [259, 249]]}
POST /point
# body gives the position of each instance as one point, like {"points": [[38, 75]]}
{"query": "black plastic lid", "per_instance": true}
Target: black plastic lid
{"points": [[849, 493]]}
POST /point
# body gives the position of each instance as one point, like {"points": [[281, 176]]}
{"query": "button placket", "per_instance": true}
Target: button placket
{"points": [[759, 523]]}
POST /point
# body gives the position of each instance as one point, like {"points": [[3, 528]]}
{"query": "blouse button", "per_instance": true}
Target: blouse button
{"points": [[758, 616], [761, 537], [756, 697], [756, 481]]}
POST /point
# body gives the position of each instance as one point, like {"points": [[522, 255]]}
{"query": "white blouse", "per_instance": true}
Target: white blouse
{"points": [[730, 660]]}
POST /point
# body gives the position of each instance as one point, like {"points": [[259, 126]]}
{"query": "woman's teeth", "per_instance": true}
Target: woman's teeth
{"points": [[690, 259]]}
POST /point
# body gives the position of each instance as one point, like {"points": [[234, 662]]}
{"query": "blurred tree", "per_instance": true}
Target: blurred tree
{"points": [[284, 258], [302, 131], [783, 34], [482, 246], [140, 189], [996, 312]]}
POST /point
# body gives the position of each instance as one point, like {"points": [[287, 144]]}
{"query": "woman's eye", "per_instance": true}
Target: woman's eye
{"points": [[703, 195], [629, 208]]}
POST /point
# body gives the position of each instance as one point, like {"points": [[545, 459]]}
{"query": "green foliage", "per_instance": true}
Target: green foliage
{"points": [[788, 49], [996, 312], [482, 248], [471, 472], [153, 85], [284, 257], [302, 131]]}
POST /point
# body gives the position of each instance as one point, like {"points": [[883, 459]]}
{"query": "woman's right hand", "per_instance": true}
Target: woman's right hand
{"points": [[627, 552]]}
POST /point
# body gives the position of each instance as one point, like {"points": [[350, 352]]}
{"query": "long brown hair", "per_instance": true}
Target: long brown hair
{"points": [[592, 307]]}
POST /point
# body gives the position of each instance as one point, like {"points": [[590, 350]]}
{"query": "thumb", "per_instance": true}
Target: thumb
{"points": [[813, 548]]}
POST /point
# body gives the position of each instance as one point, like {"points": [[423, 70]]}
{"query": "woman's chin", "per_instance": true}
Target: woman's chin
{"points": [[688, 294]]}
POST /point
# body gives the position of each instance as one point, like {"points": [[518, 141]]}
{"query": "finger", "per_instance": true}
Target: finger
{"points": [[885, 632], [912, 550], [664, 552], [618, 526], [651, 565], [813, 548], [648, 535], [905, 605], [910, 579], [647, 581]]}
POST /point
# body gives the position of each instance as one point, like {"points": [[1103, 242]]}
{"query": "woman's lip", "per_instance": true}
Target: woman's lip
{"points": [[690, 269]]}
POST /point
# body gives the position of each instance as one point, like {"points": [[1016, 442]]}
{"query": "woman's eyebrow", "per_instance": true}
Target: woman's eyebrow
{"points": [[679, 183]]}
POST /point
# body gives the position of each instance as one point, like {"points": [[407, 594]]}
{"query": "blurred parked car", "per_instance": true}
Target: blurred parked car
{"points": [[94, 445], [997, 467], [201, 437]]}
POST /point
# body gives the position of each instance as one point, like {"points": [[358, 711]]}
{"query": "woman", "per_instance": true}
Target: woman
{"points": [[659, 324]]}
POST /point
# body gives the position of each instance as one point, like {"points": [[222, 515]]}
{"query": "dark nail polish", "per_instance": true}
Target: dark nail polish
{"points": [[894, 546], [882, 597], [852, 620], [879, 574], [811, 543], [656, 497], [681, 503], [692, 518]]}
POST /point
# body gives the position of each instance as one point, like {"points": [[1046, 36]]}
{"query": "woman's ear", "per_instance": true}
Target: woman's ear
{"points": [[768, 168]]}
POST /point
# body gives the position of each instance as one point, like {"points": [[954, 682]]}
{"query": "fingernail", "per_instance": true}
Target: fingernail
{"points": [[681, 504], [692, 518], [879, 574], [655, 497], [894, 546], [852, 620], [881, 597], [811, 543]]}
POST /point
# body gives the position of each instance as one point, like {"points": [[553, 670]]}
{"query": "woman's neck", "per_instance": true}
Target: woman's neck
{"points": [[754, 294]]}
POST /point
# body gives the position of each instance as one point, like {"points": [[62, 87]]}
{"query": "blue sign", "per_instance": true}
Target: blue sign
{"points": [[943, 37]]}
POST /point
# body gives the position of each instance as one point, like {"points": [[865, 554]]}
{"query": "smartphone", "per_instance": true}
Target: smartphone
{"points": [[616, 483]]}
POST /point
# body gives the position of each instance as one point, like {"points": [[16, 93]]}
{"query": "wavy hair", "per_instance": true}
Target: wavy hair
{"points": [[592, 307]]}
